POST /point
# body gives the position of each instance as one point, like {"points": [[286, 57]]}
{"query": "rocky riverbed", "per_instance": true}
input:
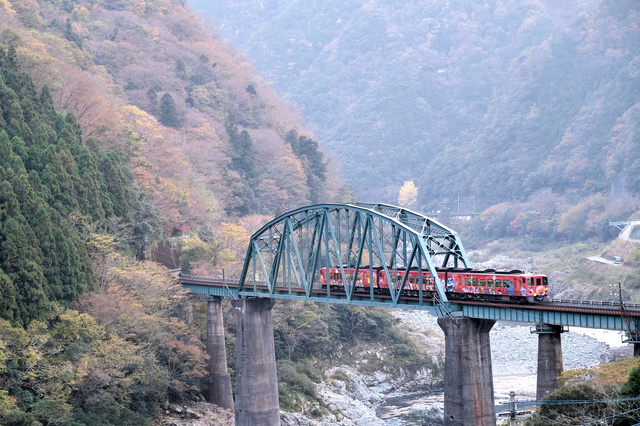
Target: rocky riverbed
{"points": [[381, 401]]}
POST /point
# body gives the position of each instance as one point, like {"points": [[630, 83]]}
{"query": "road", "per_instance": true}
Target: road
{"points": [[601, 259]]}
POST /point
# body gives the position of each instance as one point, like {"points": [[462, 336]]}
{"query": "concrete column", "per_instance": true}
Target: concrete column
{"points": [[220, 392], [549, 359], [256, 379], [468, 380]]}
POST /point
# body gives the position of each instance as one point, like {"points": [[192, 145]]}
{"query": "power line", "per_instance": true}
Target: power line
{"points": [[610, 417], [575, 402]]}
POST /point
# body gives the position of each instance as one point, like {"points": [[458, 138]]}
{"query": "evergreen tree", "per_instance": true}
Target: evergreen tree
{"points": [[243, 161], [8, 299], [306, 149], [21, 259], [46, 174], [168, 113], [47, 106], [116, 185]]}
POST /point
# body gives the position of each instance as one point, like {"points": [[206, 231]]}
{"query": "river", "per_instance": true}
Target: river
{"points": [[514, 358]]}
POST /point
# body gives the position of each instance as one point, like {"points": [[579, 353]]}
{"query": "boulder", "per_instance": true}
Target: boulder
{"points": [[434, 415]]}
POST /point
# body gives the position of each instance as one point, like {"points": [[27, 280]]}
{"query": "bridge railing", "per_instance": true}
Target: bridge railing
{"points": [[594, 303]]}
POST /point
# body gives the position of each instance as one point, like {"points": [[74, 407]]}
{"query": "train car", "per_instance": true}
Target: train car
{"points": [[460, 283]]}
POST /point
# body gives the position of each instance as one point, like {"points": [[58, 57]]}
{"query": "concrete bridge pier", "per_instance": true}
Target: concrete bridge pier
{"points": [[549, 359], [256, 378], [468, 379], [220, 391]]}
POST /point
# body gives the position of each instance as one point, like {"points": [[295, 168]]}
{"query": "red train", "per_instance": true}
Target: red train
{"points": [[460, 283]]}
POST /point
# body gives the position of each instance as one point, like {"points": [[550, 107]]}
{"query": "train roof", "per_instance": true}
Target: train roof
{"points": [[454, 270]]}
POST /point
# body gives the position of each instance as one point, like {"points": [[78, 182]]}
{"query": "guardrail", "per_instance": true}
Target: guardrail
{"points": [[594, 303]]}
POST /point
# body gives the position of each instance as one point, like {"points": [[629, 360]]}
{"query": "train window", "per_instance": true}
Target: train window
{"points": [[467, 282], [475, 282], [538, 281], [483, 282], [498, 283], [506, 283], [530, 282], [412, 280], [544, 281], [489, 283]]}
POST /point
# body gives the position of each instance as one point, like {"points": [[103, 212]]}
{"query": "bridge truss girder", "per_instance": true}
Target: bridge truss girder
{"points": [[286, 255]]}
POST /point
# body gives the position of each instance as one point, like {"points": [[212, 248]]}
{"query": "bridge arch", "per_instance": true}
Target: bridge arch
{"points": [[287, 254]]}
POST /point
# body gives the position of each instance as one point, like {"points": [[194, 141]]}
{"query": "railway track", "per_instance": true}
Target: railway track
{"points": [[561, 305]]}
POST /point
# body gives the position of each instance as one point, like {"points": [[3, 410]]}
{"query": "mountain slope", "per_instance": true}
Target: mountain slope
{"points": [[147, 79], [564, 116], [387, 86]]}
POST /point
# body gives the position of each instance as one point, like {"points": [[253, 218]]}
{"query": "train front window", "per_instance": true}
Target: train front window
{"points": [[544, 281]]}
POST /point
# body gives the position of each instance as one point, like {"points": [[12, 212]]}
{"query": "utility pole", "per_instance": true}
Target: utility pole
{"points": [[513, 408]]}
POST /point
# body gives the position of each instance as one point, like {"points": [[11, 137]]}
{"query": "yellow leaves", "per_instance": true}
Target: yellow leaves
{"points": [[602, 375], [235, 237], [80, 13], [73, 326], [193, 244], [142, 117], [3, 357], [6, 402], [616, 373], [6, 5], [408, 194], [102, 244]]}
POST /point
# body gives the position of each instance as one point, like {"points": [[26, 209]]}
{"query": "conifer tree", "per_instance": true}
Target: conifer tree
{"points": [[168, 113], [21, 259], [8, 299], [243, 161], [306, 149], [46, 174]]}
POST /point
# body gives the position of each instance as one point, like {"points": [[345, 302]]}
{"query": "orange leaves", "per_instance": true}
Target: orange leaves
{"points": [[80, 96]]}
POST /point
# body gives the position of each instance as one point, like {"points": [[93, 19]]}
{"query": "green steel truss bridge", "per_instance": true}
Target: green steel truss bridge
{"points": [[285, 256]]}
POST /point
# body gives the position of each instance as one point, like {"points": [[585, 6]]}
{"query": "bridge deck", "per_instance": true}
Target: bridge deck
{"points": [[600, 315]]}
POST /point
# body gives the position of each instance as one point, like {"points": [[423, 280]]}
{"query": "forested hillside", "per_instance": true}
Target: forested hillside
{"points": [[388, 85], [128, 134], [529, 107], [204, 135], [53, 188], [68, 212], [561, 135]]}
